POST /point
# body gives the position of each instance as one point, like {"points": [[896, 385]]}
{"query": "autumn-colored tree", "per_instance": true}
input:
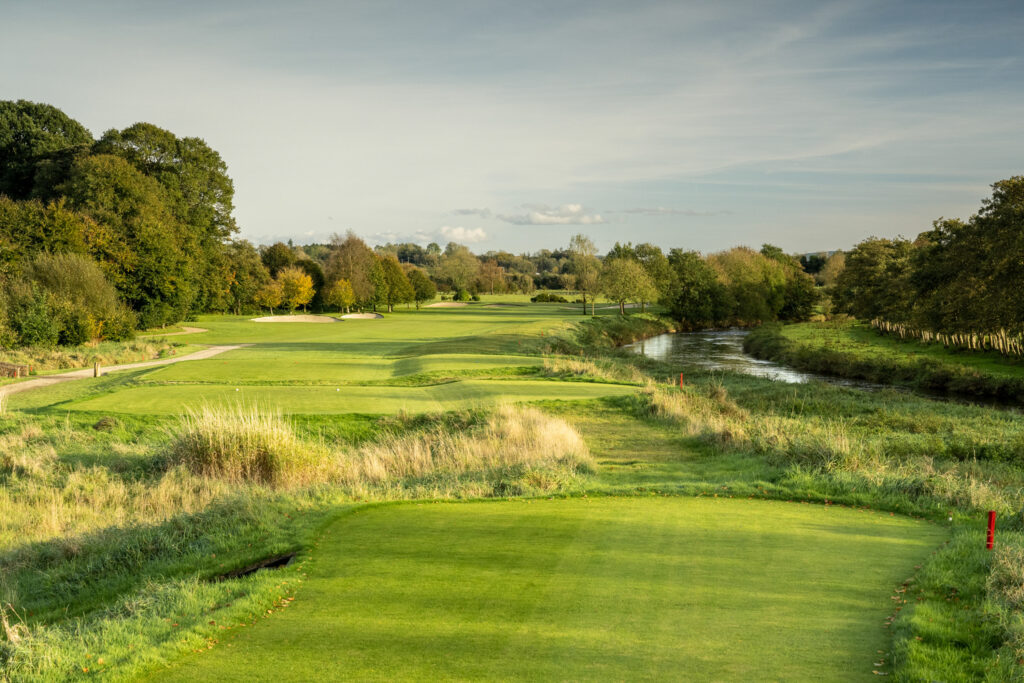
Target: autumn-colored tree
{"points": [[397, 288], [340, 295], [583, 264], [296, 287], [270, 295]]}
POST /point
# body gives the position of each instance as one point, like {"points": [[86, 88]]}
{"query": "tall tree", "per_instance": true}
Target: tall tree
{"points": [[296, 287], [459, 266], [143, 250], [585, 266], [624, 279], [422, 286], [30, 131], [399, 290], [491, 274], [277, 257], [340, 295], [352, 260]]}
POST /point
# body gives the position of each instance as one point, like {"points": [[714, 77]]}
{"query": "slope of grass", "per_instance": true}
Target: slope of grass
{"points": [[605, 589], [855, 351]]}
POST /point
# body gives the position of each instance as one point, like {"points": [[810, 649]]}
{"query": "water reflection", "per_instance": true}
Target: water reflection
{"points": [[723, 350]]}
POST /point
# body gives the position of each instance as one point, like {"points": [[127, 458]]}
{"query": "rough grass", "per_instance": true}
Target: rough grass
{"points": [[106, 353], [245, 443]]}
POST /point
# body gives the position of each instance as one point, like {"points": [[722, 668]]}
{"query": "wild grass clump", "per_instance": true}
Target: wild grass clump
{"points": [[105, 353], [518, 442], [592, 369], [246, 444]]}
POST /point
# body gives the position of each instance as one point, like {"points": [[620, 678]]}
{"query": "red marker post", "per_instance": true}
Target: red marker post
{"points": [[680, 380], [990, 541]]}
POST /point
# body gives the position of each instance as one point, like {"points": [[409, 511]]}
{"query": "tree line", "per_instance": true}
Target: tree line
{"points": [[135, 230], [960, 277]]}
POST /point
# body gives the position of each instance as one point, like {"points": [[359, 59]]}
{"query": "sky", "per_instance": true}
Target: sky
{"points": [[514, 125]]}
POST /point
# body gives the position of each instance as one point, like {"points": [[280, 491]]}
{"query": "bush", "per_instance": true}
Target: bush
{"points": [[29, 316], [548, 297], [462, 295]]}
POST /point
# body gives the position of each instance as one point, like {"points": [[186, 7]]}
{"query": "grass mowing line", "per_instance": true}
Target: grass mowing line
{"points": [[608, 588], [170, 399]]}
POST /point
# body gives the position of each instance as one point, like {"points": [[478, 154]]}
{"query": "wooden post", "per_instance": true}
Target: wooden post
{"points": [[96, 369]]}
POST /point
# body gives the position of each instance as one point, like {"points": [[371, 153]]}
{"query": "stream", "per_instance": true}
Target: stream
{"points": [[723, 350]]}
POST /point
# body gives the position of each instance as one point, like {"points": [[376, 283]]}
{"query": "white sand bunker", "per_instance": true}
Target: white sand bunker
{"points": [[502, 305], [362, 316], [296, 319], [447, 304]]}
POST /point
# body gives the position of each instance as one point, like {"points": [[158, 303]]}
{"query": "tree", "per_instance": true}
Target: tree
{"points": [[398, 289], [30, 227], [143, 250], [296, 287], [379, 281], [624, 279], [697, 297], [876, 280], [491, 274], [422, 286], [585, 266], [352, 260], [270, 295], [830, 271], [340, 295], [28, 132], [248, 275], [277, 257], [316, 274], [459, 266]]}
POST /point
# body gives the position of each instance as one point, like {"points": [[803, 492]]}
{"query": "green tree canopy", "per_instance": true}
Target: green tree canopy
{"points": [[30, 131]]}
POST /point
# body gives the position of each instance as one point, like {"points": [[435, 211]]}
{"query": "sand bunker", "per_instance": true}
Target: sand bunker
{"points": [[296, 319], [362, 316], [447, 304], [501, 305]]}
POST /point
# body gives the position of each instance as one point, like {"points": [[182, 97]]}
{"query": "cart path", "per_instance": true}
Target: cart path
{"points": [[50, 380]]}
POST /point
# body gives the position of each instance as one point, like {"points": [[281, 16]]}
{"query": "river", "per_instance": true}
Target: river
{"points": [[723, 350]]}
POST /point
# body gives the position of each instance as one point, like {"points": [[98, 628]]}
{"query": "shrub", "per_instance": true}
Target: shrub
{"points": [[462, 295], [548, 297], [30, 317]]}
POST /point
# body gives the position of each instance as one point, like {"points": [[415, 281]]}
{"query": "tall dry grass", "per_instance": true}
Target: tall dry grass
{"points": [[606, 370], [247, 444], [832, 447], [514, 436], [242, 444], [106, 353]]}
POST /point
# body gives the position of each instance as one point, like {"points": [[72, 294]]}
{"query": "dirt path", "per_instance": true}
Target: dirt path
{"points": [[50, 380], [184, 330]]}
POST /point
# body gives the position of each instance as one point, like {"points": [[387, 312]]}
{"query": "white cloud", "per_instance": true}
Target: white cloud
{"points": [[463, 235], [663, 211], [541, 214], [482, 213]]}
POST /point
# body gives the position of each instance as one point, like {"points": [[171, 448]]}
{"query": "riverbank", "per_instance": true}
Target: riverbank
{"points": [[846, 350]]}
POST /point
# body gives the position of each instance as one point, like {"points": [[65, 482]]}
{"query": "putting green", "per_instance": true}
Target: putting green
{"points": [[172, 399], [612, 589]]}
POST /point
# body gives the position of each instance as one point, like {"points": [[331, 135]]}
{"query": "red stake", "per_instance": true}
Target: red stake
{"points": [[991, 529], [680, 380]]}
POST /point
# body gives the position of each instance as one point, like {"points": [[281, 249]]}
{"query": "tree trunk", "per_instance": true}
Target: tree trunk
{"points": [[622, 308]]}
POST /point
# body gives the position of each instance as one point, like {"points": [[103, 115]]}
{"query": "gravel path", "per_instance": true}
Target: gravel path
{"points": [[184, 330], [49, 380]]}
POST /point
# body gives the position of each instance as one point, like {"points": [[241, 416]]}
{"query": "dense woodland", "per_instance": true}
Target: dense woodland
{"points": [[134, 230]]}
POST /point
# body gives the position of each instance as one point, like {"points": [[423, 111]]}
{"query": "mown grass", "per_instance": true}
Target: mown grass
{"points": [[107, 537]]}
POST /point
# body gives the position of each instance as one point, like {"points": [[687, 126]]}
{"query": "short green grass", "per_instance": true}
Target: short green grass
{"points": [[312, 400], [609, 589]]}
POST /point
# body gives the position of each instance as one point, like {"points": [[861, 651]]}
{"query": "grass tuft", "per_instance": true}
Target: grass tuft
{"points": [[246, 444]]}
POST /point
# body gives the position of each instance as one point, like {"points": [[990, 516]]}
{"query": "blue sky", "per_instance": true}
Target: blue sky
{"points": [[513, 125]]}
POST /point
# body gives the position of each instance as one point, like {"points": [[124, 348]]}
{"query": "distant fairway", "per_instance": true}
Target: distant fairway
{"points": [[610, 589], [350, 399]]}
